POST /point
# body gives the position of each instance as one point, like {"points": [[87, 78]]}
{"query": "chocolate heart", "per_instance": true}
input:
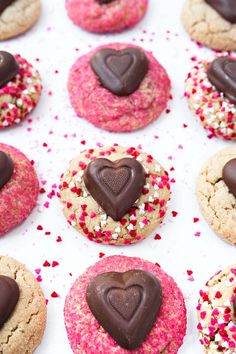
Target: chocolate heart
{"points": [[226, 8], [9, 67], [229, 175], [6, 168], [9, 296], [125, 304], [234, 306], [222, 74], [102, 2], [120, 71], [4, 4], [115, 185]]}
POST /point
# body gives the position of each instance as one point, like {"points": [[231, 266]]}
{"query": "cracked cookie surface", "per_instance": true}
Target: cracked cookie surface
{"points": [[23, 331], [217, 204], [207, 26]]}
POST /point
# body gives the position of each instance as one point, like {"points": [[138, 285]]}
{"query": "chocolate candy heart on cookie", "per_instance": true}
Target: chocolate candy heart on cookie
{"points": [[120, 71], [125, 304], [234, 305], [6, 168], [229, 175], [9, 67], [222, 74], [9, 296], [103, 2], [115, 185], [226, 8], [4, 4]]}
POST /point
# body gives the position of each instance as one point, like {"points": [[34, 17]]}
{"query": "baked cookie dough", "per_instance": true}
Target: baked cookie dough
{"points": [[217, 202], [207, 26], [84, 331], [120, 65], [102, 16], [23, 330], [19, 188], [18, 17], [216, 313], [215, 109], [20, 89], [85, 214]]}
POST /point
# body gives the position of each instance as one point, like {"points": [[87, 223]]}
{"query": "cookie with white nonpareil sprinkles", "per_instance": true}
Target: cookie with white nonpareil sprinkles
{"points": [[211, 94], [115, 195], [216, 312], [20, 89]]}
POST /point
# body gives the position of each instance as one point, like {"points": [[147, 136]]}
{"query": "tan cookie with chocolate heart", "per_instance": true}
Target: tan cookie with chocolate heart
{"points": [[125, 205], [22, 309], [206, 24], [18, 16], [215, 188]]}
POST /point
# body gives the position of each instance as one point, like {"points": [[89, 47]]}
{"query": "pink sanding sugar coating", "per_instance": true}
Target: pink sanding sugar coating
{"points": [[87, 336], [19, 195], [110, 112], [113, 17]]}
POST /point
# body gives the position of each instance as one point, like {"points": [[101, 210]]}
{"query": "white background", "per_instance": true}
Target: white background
{"points": [[54, 44]]}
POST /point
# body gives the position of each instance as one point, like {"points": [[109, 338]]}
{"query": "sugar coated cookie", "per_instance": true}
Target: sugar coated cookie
{"points": [[210, 22], [118, 87], [216, 192], [121, 304], [115, 195], [19, 188], [216, 313], [211, 94], [102, 16], [18, 16], [22, 309]]}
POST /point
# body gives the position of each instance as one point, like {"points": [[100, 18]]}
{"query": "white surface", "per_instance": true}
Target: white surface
{"points": [[54, 41]]}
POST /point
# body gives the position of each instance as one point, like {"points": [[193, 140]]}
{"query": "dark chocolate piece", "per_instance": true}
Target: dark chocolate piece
{"points": [[115, 185], [229, 175], [6, 168], [120, 71], [234, 306], [222, 74], [226, 8], [103, 2], [126, 304], [9, 296], [9, 67], [4, 4]]}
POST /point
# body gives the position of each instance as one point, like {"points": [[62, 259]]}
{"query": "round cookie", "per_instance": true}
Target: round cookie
{"points": [[214, 110], [216, 313], [104, 16], [20, 94], [84, 213], [85, 333], [18, 192], [18, 16], [22, 332], [207, 25], [106, 110], [217, 203]]}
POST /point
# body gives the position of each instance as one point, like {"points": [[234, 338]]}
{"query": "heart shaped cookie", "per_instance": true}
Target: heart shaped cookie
{"points": [[226, 9], [115, 185], [6, 168], [229, 175], [9, 296], [125, 304], [4, 4], [120, 71], [222, 74], [9, 67]]}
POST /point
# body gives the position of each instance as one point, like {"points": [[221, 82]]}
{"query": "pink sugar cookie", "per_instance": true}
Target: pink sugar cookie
{"points": [[91, 100], [114, 16], [87, 336], [19, 195]]}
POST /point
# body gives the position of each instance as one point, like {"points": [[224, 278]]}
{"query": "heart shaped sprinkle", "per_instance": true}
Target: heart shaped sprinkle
{"points": [[229, 175], [9, 67], [115, 185], [222, 74], [126, 304], [9, 296], [226, 9], [6, 168], [120, 71], [4, 4]]}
